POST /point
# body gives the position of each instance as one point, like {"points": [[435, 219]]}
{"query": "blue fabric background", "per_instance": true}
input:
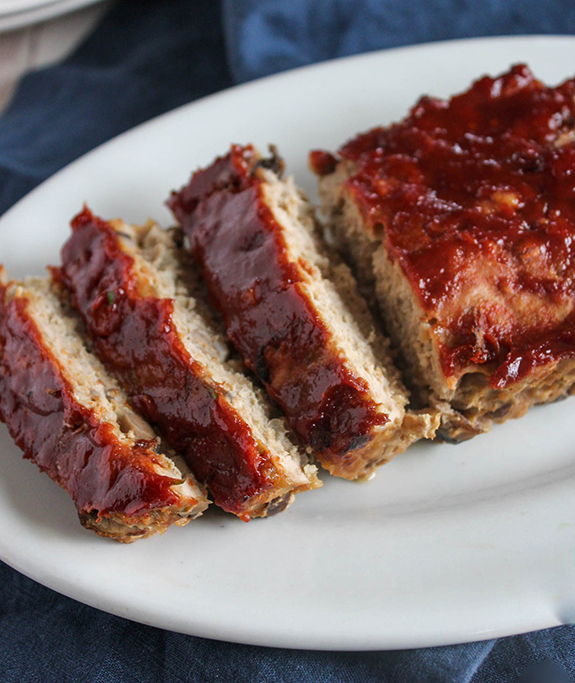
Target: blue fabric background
{"points": [[266, 36], [147, 57]]}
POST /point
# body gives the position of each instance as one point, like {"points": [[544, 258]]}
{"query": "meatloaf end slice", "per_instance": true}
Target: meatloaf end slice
{"points": [[459, 219]]}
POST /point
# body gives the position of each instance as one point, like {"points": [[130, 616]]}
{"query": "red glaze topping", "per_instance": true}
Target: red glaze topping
{"points": [[66, 439], [257, 289], [135, 338], [475, 198], [322, 163]]}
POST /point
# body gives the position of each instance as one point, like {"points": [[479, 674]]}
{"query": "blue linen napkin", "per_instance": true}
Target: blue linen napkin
{"points": [[147, 57], [267, 36]]}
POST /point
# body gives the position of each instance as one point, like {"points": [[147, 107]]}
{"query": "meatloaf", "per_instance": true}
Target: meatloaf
{"points": [[72, 419], [461, 218], [137, 292], [294, 315]]}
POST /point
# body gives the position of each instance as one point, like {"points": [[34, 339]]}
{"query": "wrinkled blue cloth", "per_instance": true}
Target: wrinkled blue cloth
{"points": [[267, 36], [147, 57]]}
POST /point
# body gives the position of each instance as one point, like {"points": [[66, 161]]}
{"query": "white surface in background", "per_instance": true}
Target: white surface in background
{"points": [[18, 13], [40, 44], [447, 544]]}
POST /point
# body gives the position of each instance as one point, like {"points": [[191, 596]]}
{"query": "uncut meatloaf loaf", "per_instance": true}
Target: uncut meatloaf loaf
{"points": [[295, 317], [137, 292], [71, 418], [462, 219]]}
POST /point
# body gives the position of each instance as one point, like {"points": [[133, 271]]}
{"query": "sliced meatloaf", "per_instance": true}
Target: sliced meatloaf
{"points": [[137, 292], [72, 419], [294, 315], [461, 219]]}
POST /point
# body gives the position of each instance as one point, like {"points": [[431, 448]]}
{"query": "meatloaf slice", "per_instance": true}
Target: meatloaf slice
{"points": [[72, 419], [461, 218], [295, 317], [137, 292]]}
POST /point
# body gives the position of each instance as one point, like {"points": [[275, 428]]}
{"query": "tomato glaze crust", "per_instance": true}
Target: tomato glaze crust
{"points": [[474, 198], [109, 481], [257, 289], [136, 339]]}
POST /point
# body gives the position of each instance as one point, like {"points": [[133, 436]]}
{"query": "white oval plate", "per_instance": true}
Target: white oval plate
{"points": [[447, 544], [16, 14]]}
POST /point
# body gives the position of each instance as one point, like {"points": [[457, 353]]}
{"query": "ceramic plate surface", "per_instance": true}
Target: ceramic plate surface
{"points": [[447, 544], [15, 14]]}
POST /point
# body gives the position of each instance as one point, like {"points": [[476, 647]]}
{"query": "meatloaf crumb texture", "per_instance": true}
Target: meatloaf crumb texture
{"points": [[138, 294], [294, 313], [71, 418]]}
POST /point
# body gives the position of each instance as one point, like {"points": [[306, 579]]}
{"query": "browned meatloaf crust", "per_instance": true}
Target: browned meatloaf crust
{"points": [[296, 319], [135, 290], [462, 218], [71, 419]]}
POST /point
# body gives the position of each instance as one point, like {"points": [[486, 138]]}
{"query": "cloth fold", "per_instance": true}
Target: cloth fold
{"points": [[145, 58], [267, 36]]}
